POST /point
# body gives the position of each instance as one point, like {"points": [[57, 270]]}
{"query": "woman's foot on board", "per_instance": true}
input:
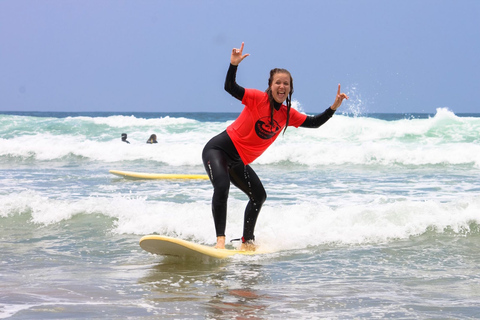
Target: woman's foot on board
{"points": [[220, 243], [248, 245]]}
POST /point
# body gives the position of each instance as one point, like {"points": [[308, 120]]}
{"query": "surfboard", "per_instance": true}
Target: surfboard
{"points": [[140, 175], [168, 246]]}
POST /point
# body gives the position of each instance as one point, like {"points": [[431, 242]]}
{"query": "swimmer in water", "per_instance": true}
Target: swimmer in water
{"points": [[152, 139], [124, 138]]}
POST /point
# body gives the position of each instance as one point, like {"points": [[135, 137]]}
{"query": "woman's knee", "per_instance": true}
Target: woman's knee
{"points": [[262, 197], [259, 196], [221, 190]]}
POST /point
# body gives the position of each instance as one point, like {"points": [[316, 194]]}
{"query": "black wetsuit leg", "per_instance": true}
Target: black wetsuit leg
{"points": [[224, 165], [245, 178]]}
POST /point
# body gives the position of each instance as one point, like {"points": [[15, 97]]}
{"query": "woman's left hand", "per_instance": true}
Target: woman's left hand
{"points": [[338, 99]]}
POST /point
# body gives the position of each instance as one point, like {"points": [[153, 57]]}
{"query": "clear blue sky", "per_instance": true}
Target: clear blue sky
{"points": [[172, 55]]}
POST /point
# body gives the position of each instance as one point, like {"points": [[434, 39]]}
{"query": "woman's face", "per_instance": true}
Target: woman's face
{"points": [[280, 86]]}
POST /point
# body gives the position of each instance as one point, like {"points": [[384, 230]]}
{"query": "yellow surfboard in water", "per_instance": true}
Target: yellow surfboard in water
{"points": [[168, 246], [140, 175]]}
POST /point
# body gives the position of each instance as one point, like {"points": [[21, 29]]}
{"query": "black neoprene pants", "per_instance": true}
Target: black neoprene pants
{"points": [[224, 165]]}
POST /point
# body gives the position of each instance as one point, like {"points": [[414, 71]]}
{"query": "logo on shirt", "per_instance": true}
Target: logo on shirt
{"points": [[265, 129]]}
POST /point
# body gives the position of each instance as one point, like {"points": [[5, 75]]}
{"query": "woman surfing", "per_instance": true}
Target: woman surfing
{"points": [[227, 156]]}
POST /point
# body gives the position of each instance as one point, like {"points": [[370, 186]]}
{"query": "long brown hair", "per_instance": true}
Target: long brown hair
{"points": [[270, 96]]}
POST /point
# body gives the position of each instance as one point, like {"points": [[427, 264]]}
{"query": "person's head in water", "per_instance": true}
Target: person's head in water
{"points": [[152, 139], [280, 88], [124, 137]]}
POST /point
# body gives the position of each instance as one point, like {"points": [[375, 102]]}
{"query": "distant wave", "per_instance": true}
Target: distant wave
{"points": [[444, 139]]}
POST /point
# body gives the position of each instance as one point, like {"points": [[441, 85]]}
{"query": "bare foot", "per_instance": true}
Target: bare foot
{"points": [[248, 246], [220, 243]]}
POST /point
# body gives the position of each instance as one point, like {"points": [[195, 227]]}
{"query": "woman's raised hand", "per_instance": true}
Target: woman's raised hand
{"points": [[237, 55], [338, 99]]}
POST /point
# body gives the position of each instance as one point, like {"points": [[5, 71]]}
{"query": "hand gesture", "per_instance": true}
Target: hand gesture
{"points": [[339, 99], [237, 55]]}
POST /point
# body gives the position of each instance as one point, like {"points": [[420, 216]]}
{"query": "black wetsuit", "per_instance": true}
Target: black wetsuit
{"points": [[224, 165]]}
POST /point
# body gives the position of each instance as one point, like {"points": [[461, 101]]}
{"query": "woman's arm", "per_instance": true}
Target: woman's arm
{"points": [[231, 85], [319, 119]]}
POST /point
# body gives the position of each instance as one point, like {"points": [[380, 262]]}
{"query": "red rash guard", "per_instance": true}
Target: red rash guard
{"points": [[252, 132]]}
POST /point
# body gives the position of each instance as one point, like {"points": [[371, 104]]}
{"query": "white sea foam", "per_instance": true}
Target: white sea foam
{"points": [[278, 227], [444, 139]]}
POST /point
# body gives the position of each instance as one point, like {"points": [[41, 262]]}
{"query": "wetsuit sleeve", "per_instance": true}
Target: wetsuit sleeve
{"points": [[318, 120], [231, 85]]}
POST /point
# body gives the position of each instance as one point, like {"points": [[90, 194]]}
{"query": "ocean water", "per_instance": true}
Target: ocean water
{"points": [[368, 217]]}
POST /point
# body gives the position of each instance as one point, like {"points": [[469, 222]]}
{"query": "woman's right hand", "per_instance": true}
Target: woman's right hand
{"points": [[237, 55]]}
